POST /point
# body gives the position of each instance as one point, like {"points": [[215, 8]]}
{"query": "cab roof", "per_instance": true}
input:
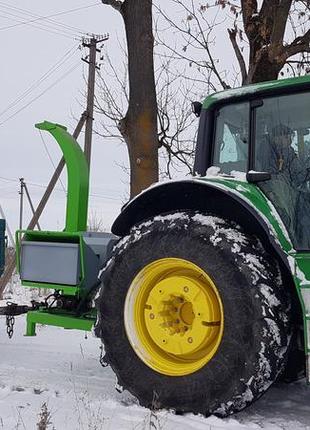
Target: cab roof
{"points": [[263, 89]]}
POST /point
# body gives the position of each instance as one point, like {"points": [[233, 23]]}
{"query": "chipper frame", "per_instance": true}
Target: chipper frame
{"points": [[205, 299]]}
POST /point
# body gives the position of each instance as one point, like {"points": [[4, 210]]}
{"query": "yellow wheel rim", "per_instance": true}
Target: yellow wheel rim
{"points": [[174, 316]]}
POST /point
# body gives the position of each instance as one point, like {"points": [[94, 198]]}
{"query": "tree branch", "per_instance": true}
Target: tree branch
{"points": [[116, 4], [300, 44], [280, 15], [249, 9], [232, 35]]}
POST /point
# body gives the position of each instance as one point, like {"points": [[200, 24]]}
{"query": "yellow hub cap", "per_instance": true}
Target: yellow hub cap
{"points": [[174, 316]]}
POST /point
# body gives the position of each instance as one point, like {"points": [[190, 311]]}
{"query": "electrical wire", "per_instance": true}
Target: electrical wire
{"points": [[39, 81], [34, 184], [22, 12], [42, 27], [50, 16], [42, 93]]}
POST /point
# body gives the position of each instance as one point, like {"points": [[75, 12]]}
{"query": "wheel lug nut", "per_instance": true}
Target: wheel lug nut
{"points": [[152, 316], [190, 340], [186, 289]]}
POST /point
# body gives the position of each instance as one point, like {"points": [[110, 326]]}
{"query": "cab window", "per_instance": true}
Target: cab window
{"points": [[232, 138]]}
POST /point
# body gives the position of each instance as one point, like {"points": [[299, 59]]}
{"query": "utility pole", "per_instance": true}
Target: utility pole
{"points": [[86, 117], [24, 188], [21, 203], [30, 203], [91, 60]]}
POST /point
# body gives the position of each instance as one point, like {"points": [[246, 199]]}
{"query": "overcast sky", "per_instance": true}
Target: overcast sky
{"points": [[28, 52]]}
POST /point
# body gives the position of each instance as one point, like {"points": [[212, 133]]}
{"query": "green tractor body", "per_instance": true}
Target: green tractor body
{"points": [[205, 300]]}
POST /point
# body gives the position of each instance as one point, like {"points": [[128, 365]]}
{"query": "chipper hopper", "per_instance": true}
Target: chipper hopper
{"points": [[204, 300]]}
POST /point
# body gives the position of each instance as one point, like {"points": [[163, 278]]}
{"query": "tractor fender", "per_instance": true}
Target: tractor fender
{"points": [[220, 198]]}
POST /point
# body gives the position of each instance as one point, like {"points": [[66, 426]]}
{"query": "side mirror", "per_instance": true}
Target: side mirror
{"points": [[254, 177], [196, 108]]}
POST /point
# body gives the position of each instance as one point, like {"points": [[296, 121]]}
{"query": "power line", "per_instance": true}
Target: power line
{"points": [[45, 76], [50, 16], [22, 12], [46, 25], [34, 184], [42, 93]]}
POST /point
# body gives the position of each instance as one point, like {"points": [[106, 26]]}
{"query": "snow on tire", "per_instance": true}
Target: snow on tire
{"points": [[257, 327]]}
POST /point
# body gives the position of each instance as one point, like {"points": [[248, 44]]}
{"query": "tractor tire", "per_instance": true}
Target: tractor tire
{"points": [[193, 315]]}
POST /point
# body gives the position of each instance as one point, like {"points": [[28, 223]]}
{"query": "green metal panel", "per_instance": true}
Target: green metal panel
{"points": [[259, 202], [298, 262], [78, 176], [57, 319], [249, 90]]}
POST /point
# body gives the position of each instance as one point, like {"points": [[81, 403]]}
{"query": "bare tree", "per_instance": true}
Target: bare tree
{"points": [[95, 223], [265, 36], [139, 126], [176, 138]]}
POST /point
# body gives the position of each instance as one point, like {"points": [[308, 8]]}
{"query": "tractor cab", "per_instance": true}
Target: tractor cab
{"points": [[264, 129]]}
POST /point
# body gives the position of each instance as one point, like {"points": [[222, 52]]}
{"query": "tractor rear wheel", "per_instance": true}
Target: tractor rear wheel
{"points": [[193, 315]]}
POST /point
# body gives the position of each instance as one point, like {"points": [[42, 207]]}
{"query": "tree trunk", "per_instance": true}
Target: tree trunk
{"points": [[139, 127], [264, 69]]}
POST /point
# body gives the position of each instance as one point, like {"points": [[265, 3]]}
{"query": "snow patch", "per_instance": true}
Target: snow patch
{"points": [[279, 221], [213, 171], [247, 89], [241, 176], [235, 249], [269, 295], [241, 189], [274, 330], [257, 268]]}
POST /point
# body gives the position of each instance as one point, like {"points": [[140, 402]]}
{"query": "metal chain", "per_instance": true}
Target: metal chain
{"points": [[102, 357], [10, 321]]}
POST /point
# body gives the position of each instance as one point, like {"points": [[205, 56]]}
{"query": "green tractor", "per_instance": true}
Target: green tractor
{"points": [[204, 300]]}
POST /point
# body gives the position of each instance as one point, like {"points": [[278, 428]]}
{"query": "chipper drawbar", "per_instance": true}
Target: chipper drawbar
{"points": [[204, 300]]}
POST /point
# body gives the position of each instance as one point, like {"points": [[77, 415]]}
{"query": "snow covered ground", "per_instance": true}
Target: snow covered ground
{"points": [[60, 368]]}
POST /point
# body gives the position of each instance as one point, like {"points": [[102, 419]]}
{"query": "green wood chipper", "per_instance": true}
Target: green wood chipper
{"points": [[202, 293]]}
